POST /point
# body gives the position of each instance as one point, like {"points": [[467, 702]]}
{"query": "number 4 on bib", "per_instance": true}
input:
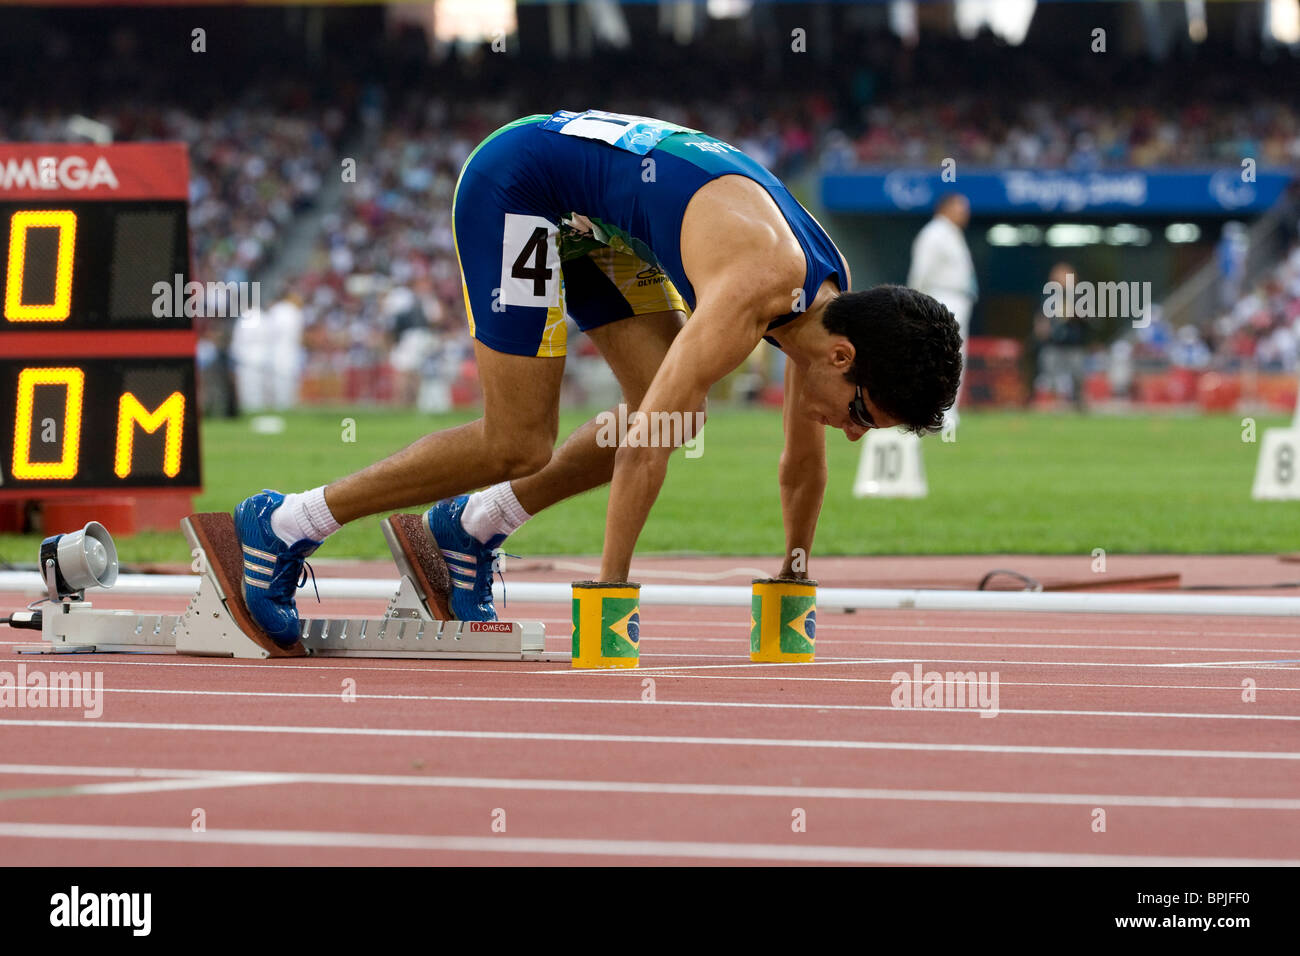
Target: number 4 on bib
{"points": [[530, 262], [890, 466]]}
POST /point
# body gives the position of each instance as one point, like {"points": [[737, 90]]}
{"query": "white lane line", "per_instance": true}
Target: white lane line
{"points": [[1078, 647], [1235, 688], [637, 702], [353, 663], [742, 640], [844, 661], [740, 628], [218, 778], [792, 742], [215, 781], [830, 620], [616, 848], [1232, 663], [649, 637]]}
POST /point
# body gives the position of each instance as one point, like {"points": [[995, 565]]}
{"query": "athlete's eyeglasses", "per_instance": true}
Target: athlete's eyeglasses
{"points": [[858, 412]]}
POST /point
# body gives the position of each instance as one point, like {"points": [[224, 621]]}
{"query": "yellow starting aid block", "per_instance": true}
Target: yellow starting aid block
{"points": [[783, 621], [606, 624]]}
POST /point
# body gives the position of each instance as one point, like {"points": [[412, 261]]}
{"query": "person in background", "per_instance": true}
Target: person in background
{"points": [[285, 320], [942, 268], [1230, 254], [1061, 344], [219, 394], [267, 350], [251, 346]]}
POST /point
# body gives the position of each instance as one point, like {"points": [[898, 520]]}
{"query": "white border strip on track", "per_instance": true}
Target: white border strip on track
{"points": [[973, 709], [617, 848], [157, 778], [796, 743], [829, 599]]}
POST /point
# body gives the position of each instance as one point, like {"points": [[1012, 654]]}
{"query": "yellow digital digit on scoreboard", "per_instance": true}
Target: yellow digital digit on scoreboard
{"points": [[74, 382], [20, 226]]}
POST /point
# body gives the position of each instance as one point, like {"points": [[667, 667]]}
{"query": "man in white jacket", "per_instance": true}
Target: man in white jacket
{"points": [[942, 267]]}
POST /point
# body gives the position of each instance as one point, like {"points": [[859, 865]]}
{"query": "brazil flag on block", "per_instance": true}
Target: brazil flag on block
{"points": [[620, 627], [798, 624]]}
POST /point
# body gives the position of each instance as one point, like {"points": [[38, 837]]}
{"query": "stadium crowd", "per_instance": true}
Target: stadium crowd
{"points": [[384, 281], [1041, 133], [252, 170], [379, 306], [1260, 329]]}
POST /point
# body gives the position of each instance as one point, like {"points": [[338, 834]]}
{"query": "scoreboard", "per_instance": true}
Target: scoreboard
{"points": [[97, 378]]}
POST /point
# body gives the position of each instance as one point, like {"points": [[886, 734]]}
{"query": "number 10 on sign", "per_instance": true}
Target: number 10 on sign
{"points": [[890, 466]]}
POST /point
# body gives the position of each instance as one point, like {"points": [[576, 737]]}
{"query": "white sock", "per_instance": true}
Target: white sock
{"points": [[493, 511], [304, 516]]}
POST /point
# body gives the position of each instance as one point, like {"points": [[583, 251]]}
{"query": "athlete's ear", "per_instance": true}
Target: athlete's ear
{"points": [[842, 353]]}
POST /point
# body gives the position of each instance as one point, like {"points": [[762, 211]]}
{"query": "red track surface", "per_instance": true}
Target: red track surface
{"points": [[1141, 717]]}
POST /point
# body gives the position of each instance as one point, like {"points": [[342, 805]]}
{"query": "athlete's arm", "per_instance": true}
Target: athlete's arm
{"points": [[716, 340], [742, 259], [802, 476]]}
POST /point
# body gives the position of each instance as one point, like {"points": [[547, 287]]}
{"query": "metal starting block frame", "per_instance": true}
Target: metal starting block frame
{"points": [[216, 623]]}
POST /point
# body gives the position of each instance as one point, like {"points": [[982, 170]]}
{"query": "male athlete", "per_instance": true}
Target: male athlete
{"points": [[627, 224]]}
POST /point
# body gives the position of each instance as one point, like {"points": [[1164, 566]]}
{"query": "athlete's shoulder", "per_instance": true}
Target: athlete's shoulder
{"points": [[735, 235]]}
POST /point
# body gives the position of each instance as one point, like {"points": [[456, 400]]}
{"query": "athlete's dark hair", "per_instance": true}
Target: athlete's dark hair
{"points": [[908, 351]]}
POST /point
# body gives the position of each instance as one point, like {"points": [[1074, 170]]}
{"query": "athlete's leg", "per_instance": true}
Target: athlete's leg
{"points": [[634, 348], [514, 437], [469, 528], [632, 312], [510, 266]]}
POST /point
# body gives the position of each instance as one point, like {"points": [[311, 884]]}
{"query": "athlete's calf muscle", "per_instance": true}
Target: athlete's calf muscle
{"points": [[436, 466], [514, 438]]}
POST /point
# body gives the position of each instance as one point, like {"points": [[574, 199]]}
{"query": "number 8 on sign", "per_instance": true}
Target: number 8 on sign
{"points": [[1277, 475]]}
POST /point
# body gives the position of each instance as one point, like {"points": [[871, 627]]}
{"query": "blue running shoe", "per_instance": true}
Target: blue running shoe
{"points": [[273, 570], [470, 561]]}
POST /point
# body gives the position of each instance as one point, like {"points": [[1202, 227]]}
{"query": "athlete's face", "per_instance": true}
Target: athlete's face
{"points": [[831, 399]]}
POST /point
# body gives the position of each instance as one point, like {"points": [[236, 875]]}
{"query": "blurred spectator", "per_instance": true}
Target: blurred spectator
{"points": [[267, 350], [1061, 341], [1259, 331], [942, 267], [1230, 256]]}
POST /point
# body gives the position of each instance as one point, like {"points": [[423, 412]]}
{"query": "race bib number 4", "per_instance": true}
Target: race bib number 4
{"points": [[636, 134], [530, 262]]}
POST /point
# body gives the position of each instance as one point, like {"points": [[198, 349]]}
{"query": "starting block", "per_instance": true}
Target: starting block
{"points": [[417, 623]]}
